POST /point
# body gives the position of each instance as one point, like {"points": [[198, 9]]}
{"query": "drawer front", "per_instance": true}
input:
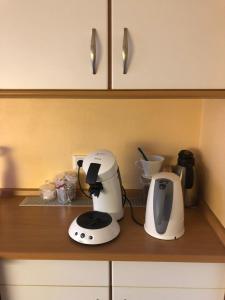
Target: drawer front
{"points": [[54, 272], [157, 274], [168, 294], [53, 293]]}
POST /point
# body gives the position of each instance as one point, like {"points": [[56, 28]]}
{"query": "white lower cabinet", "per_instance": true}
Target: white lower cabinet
{"points": [[130, 293], [54, 280], [90, 280], [53, 293], [170, 281]]}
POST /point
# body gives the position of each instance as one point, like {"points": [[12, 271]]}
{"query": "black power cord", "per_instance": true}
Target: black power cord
{"points": [[79, 164], [125, 199]]}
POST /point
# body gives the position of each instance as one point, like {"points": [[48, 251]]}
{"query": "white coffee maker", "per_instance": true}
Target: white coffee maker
{"points": [[100, 225], [102, 175]]}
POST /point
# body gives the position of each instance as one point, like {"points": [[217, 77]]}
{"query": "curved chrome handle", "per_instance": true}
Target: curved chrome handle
{"points": [[125, 50], [93, 50]]}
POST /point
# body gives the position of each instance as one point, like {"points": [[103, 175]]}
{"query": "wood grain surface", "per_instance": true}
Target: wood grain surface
{"points": [[114, 94], [41, 233], [213, 221]]}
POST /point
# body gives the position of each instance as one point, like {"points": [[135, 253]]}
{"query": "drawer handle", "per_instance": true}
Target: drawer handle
{"points": [[125, 50], [93, 50]]}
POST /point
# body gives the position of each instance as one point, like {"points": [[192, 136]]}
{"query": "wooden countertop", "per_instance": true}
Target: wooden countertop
{"points": [[41, 233]]}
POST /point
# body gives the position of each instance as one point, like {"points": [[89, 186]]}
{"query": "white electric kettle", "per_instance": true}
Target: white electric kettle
{"points": [[164, 218]]}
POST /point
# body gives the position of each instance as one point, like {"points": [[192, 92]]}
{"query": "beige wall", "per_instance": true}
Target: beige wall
{"points": [[39, 136], [212, 144]]}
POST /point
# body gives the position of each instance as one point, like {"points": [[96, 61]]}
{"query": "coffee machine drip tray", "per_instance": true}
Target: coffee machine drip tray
{"points": [[93, 228], [94, 220]]}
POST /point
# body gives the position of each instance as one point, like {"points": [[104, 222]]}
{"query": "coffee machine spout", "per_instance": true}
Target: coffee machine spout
{"points": [[95, 189]]}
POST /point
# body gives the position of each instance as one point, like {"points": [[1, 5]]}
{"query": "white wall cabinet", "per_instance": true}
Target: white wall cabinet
{"points": [[45, 44], [171, 281], [54, 280], [172, 44]]}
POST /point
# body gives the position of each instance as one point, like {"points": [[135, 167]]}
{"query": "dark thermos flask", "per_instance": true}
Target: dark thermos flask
{"points": [[185, 168]]}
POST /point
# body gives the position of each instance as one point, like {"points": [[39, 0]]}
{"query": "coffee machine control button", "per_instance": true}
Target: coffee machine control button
{"points": [[82, 235]]}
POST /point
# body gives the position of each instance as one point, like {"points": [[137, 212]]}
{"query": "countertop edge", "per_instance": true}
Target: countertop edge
{"points": [[112, 257]]}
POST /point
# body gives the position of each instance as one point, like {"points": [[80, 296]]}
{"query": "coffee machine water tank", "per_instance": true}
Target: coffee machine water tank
{"points": [[102, 176]]}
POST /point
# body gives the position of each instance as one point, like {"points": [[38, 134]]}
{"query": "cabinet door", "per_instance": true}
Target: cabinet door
{"points": [[53, 293], [54, 272], [45, 44], [165, 293], [168, 274], [172, 44]]}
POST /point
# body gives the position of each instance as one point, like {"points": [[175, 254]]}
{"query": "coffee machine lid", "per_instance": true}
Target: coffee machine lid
{"points": [[106, 162]]}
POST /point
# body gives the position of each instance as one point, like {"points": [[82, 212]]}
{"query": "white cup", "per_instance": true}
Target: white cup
{"points": [[151, 166]]}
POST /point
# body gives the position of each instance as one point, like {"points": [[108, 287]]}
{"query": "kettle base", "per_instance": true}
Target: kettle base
{"points": [[164, 236]]}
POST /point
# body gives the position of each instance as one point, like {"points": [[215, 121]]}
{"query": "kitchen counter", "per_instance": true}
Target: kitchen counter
{"points": [[41, 233]]}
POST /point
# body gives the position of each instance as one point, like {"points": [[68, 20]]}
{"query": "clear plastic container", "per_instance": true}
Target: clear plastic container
{"points": [[66, 187], [145, 184], [48, 191]]}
